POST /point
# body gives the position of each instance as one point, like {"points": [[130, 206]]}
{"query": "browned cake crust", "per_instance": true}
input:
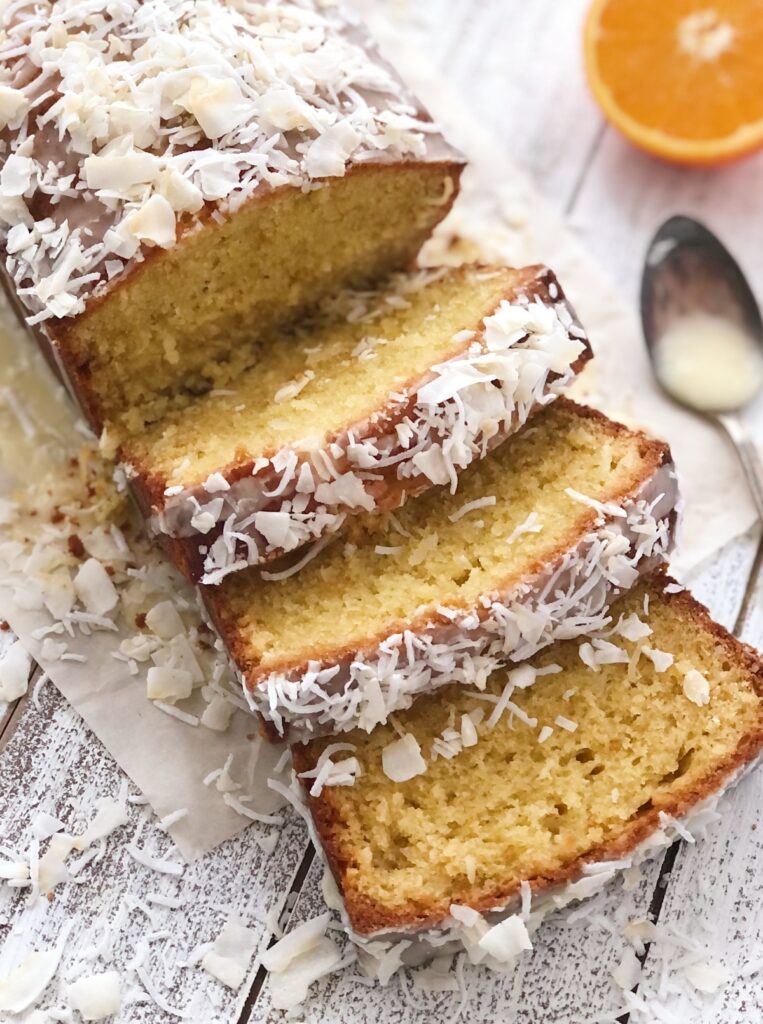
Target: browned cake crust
{"points": [[54, 337], [655, 455], [368, 917], [388, 490], [84, 255]]}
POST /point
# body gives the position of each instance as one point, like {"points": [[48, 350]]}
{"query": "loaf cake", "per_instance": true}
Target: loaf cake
{"points": [[182, 177], [537, 540], [384, 394], [510, 802]]}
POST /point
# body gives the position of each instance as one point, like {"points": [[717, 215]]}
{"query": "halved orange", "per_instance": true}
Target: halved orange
{"points": [[683, 79]]}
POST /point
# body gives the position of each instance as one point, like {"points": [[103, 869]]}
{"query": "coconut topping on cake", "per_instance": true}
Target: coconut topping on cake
{"points": [[124, 120], [522, 359], [570, 598]]}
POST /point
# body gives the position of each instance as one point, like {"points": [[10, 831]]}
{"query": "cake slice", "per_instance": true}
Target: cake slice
{"points": [[385, 394], [180, 179], [475, 813], [540, 536]]}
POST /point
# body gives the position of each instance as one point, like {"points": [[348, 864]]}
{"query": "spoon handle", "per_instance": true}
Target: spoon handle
{"points": [[737, 430]]}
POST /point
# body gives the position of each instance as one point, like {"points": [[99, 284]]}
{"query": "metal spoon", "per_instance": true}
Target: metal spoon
{"points": [[687, 272]]}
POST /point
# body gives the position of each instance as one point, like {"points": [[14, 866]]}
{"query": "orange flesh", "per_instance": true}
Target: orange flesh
{"points": [[681, 78]]}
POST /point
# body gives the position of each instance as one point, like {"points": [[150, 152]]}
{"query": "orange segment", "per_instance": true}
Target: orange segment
{"points": [[683, 79]]}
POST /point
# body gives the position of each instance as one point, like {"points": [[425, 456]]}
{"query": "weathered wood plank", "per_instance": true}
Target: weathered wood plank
{"points": [[722, 584], [627, 194], [53, 764]]}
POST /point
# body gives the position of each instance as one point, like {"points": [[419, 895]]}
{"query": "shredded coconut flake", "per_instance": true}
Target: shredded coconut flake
{"points": [[506, 940], [97, 996], [402, 760]]}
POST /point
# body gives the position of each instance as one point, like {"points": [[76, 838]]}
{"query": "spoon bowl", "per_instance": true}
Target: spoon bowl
{"points": [[690, 277], [704, 332]]}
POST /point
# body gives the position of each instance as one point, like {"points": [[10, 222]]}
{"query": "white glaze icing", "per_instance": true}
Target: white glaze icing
{"points": [[135, 115]]}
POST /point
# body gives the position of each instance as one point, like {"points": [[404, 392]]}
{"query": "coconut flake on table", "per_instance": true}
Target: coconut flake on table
{"points": [[627, 973], [166, 823], [15, 668], [94, 587], [217, 714], [52, 869], [149, 860], [164, 620], [164, 683], [506, 940], [232, 950], [640, 931], [14, 871], [96, 996], [706, 976], [302, 956], [237, 804], [20, 989]]}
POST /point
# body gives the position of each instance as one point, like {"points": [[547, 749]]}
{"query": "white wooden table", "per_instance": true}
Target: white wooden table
{"points": [[518, 65]]}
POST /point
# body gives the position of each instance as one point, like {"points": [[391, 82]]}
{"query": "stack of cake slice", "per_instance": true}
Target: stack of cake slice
{"points": [[379, 396], [533, 545], [406, 538]]}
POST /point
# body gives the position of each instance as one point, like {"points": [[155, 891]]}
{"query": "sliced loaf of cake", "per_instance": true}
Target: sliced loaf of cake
{"points": [[474, 813], [182, 178], [383, 395], [540, 536]]}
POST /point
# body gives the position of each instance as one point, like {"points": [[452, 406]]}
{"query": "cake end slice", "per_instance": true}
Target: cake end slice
{"points": [[518, 799]]}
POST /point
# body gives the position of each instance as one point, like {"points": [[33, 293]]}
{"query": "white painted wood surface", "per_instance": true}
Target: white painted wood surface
{"points": [[519, 68], [53, 764]]}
